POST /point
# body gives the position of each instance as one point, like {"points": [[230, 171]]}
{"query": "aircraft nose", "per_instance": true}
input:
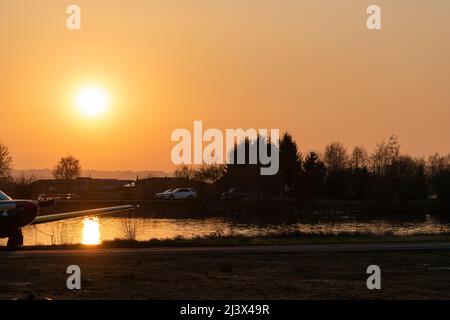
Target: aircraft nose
{"points": [[28, 211]]}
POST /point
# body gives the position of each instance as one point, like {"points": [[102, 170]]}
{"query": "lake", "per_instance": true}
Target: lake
{"points": [[96, 230]]}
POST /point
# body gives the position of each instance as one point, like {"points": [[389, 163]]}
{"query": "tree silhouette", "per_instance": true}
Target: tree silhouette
{"points": [[67, 168], [248, 172], [385, 154], [184, 172], [406, 178], [335, 157], [438, 172], [359, 159], [23, 185], [209, 173], [290, 164], [5, 163], [314, 175]]}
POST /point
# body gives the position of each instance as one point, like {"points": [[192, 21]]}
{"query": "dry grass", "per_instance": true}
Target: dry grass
{"points": [[405, 275], [130, 228]]}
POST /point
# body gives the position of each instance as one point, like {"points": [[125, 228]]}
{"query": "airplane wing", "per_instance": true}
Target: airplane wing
{"points": [[84, 213]]}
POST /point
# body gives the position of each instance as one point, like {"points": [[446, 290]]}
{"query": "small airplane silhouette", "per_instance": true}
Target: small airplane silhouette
{"points": [[16, 214]]}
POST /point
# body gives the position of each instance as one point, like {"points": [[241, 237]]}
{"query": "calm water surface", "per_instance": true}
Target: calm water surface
{"points": [[96, 230]]}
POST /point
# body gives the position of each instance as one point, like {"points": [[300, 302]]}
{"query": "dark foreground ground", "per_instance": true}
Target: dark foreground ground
{"points": [[411, 274]]}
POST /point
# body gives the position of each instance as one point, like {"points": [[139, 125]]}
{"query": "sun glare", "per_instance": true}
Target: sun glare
{"points": [[91, 231], [92, 101]]}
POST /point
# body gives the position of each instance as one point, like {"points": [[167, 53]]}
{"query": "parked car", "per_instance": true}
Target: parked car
{"points": [[239, 193], [181, 194], [163, 195]]}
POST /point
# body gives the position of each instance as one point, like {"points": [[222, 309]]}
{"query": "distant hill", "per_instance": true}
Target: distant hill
{"points": [[96, 174]]}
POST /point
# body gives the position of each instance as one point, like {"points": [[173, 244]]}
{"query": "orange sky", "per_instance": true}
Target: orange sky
{"points": [[309, 67]]}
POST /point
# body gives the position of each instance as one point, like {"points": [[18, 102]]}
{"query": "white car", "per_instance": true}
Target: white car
{"points": [[163, 195], [181, 194]]}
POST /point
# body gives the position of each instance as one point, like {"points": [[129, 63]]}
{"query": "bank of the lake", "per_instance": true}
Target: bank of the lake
{"points": [[220, 240]]}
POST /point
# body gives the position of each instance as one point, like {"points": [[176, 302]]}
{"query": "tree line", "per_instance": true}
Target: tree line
{"points": [[336, 173]]}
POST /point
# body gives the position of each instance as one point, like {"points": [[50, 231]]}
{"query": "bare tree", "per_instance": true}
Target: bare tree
{"points": [[335, 157], [61, 234], [5, 162], [385, 154], [24, 180], [184, 171], [209, 173], [359, 158], [131, 228], [437, 163], [23, 185], [67, 168]]}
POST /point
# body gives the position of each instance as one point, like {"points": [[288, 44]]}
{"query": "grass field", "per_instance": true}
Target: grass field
{"points": [[239, 275], [405, 275]]}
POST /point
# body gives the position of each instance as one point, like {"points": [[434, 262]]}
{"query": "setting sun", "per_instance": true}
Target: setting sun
{"points": [[92, 101]]}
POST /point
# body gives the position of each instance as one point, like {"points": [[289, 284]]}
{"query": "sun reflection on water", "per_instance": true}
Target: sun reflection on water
{"points": [[91, 231]]}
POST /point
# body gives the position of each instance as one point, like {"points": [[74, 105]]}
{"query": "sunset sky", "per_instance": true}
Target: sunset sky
{"points": [[309, 67]]}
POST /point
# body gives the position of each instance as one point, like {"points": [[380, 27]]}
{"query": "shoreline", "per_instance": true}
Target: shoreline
{"points": [[217, 240]]}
